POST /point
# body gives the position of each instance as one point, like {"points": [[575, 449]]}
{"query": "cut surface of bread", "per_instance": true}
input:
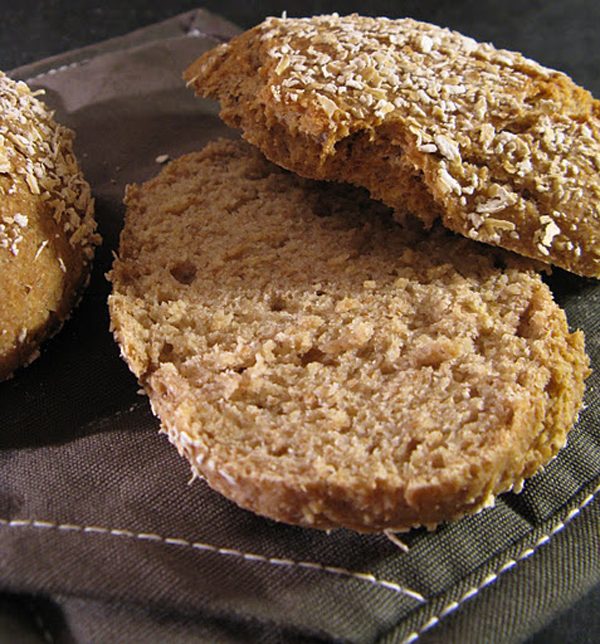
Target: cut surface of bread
{"points": [[47, 227], [501, 149], [320, 364]]}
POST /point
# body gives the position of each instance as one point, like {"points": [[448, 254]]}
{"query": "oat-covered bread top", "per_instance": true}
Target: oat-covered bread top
{"points": [[47, 226], [504, 150], [321, 365]]}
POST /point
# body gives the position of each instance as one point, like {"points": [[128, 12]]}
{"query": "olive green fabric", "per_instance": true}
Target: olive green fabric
{"points": [[99, 528]]}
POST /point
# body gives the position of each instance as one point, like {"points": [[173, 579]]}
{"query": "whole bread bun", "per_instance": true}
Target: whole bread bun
{"points": [[47, 226], [321, 365], [501, 149]]}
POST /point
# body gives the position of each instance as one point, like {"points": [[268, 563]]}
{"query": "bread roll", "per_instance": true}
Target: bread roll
{"points": [[47, 227]]}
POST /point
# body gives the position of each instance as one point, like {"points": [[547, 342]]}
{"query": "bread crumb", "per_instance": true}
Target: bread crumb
{"points": [[365, 392]]}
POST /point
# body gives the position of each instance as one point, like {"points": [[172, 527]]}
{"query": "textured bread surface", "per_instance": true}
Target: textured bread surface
{"points": [[503, 150], [319, 364], [47, 226]]}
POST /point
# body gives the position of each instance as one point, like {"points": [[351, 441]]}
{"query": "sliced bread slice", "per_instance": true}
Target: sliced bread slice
{"points": [[320, 364]]}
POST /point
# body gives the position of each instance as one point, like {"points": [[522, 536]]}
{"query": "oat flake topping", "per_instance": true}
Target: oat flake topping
{"points": [[509, 150], [37, 151]]}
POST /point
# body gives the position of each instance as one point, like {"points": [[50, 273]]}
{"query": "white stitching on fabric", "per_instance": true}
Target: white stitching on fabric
{"points": [[207, 547], [59, 69], [193, 33], [493, 577]]}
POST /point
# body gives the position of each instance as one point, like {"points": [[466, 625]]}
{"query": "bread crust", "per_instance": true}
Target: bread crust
{"points": [[501, 149], [47, 227], [321, 365]]}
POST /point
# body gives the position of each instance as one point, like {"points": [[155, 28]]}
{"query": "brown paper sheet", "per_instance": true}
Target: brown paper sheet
{"points": [[96, 514]]}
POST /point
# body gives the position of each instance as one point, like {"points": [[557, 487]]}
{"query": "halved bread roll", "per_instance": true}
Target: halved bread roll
{"points": [[321, 365], [501, 149]]}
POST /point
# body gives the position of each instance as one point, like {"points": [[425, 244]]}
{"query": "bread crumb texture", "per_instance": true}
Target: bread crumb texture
{"points": [[47, 226], [503, 150], [322, 365]]}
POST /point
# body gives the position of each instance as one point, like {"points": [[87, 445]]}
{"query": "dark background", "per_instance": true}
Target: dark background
{"points": [[559, 34]]}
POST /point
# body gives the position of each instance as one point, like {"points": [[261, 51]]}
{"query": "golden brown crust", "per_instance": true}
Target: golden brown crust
{"points": [[503, 150], [47, 227], [321, 365]]}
